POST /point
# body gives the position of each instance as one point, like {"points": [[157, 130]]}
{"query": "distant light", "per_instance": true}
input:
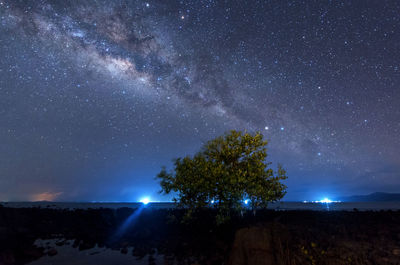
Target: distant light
{"points": [[282, 128], [145, 200], [212, 201], [246, 201], [147, 4], [266, 128], [325, 200], [182, 17]]}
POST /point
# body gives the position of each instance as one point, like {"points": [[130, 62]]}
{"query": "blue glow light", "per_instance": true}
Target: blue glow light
{"points": [[325, 200], [145, 200], [129, 222], [246, 201]]}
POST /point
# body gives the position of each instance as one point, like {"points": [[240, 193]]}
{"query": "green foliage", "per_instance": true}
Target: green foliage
{"points": [[227, 170]]}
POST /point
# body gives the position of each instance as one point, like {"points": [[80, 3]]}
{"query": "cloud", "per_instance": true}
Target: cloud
{"points": [[46, 196]]}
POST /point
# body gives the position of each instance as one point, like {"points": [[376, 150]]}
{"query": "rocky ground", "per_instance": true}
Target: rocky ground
{"points": [[270, 237]]}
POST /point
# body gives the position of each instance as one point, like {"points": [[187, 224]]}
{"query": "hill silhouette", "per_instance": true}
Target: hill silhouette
{"points": [[373, 197]]}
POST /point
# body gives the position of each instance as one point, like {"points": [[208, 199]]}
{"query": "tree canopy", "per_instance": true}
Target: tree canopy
{"points": [[228, 170]]}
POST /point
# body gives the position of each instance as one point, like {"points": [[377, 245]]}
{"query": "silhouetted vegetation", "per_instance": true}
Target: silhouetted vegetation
{"points": [[228, 171]]}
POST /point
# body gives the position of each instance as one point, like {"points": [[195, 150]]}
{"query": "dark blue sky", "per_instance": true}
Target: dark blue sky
{"points": [[95, 96]]}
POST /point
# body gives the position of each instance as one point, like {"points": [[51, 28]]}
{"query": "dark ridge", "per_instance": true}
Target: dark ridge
{"points": [[373, 197]]}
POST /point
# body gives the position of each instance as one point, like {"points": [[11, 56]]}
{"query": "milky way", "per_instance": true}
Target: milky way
{"points": [[95, 96]]}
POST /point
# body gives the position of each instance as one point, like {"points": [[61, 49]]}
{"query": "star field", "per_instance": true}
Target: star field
{"points": [[95, 96]]}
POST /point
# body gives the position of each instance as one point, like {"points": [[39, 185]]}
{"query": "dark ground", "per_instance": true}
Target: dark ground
{"points": [[270, 237]]}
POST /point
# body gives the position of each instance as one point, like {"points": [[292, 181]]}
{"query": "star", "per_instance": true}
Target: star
{"points": [[112, 80]]}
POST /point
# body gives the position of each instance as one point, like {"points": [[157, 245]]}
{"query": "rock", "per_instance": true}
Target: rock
{"points": [[76, 243], [124, 250], [84, 245], [52, 252], [61, 242], [7, 257], [152, 260], [34, 252], [252, 246]]}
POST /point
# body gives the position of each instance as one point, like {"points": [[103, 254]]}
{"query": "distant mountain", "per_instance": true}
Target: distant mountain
{"points": [[373, 197]]}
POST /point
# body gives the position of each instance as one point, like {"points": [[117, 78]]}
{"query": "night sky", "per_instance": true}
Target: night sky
{"points": [[95, 96]]}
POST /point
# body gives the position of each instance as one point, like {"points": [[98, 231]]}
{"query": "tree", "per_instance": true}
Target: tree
{"points": [[227, 171]]}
